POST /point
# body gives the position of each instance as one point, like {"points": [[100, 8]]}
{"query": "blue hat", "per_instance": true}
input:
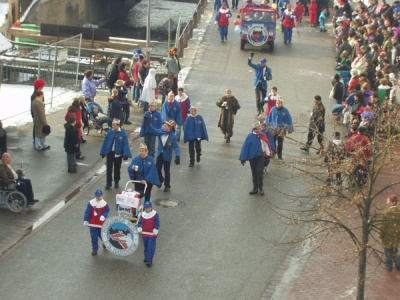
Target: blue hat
{"points": [[147, 204], [366, 115], [98, 193], [263, 60], [139, 51]]}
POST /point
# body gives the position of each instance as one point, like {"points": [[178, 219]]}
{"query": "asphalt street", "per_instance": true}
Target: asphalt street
{"points": [[218, 242]]}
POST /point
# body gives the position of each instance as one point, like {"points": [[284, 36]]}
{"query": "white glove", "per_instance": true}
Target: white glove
{"points": [[85, 223], [139, 229], [155, 231], [215, 22], [102, 218]]}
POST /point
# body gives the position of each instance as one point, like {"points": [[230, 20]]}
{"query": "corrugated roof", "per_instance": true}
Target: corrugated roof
{"points": [[4, 44]]}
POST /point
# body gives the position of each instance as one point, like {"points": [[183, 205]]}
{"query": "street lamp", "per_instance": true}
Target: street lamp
{"points": [[148, 31]]}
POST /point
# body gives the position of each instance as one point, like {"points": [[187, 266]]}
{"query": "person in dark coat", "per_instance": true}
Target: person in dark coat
{"points": [[3, 139], [112, 72], [115, 106], [71, 142], [229, 106], [116, 148], [254, 148], [143, 168], [194, 132], [38, 86]]}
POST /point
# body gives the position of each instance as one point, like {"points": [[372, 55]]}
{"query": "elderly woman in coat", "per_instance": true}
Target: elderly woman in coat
{"points": [[40, 121], [229, 106]]}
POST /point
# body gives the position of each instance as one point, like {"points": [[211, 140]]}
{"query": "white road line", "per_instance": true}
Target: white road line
{"points": [[48, 215]]}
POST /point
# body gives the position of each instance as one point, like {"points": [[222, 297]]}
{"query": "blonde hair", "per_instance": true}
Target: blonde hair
{"points": [[114, 92], [143, 146], [116, 121], [228, 91], [171, 93]]}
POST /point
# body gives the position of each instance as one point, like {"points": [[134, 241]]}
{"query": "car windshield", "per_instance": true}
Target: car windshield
{"points": [[263, 16]]}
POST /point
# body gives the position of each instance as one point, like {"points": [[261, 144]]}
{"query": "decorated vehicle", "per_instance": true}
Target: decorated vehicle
{"points": [[257, 26]]}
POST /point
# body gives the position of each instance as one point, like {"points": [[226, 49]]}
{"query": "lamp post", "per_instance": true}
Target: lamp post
{"points": [[148, 30]]}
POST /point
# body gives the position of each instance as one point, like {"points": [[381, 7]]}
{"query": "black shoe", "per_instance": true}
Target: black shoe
{"points": [[116, 185], [144, 260], [254, 191], [108, 187], [191, 164], [167, 189], [46, 148], [260, 192], [198, 157], [83, 141], [305, 148], [128, 122], [161, 182], [94, 252], [104, 246], [280, 157], [80, 157], [228, 140], [148, 264]]}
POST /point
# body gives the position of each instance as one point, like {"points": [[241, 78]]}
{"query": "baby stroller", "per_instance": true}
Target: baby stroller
{"points": [[130, 203], [92, 122]]}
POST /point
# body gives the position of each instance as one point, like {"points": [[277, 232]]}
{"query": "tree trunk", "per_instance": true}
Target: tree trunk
{"points": [[362, 256]]}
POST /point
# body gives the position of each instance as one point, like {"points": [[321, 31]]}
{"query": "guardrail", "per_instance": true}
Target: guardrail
{"points": [[187, 32]]}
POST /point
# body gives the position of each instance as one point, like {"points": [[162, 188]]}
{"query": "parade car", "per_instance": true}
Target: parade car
{"points": [[257, 26]]}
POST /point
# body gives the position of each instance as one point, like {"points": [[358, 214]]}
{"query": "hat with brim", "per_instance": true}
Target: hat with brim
{"points": [[120, 82], [171, 124]]}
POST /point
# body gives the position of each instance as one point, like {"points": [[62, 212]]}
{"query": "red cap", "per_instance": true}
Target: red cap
{"points": [[39, 84]]}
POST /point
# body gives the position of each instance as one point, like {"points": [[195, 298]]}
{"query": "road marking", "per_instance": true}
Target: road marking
{"points": [[48, 215]]}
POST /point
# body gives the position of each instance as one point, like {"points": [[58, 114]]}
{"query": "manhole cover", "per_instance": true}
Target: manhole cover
{"points": [[167, 203]]}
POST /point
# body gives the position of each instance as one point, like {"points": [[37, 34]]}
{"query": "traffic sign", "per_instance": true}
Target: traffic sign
{"points": [[148, 49]]}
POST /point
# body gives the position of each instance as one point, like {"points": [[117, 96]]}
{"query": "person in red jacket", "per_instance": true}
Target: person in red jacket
{"points": [[313, 10], [299, 10], [149, 225], [184, 101], [288, 22], [75, 108], [95, 215], [222, 18]]}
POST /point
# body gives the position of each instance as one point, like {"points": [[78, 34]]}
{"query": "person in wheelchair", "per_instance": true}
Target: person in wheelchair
{"points": [[100, 117], [9, 175]]}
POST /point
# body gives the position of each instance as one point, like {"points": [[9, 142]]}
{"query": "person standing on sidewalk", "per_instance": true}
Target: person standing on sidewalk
{"points": [[184, 102], [261, 76], [38, 86], [71, 142], [194, 131], [222, 19], [112, 73], [254, 148], [40, 122], [75, 109], [116, 148], [149, 226], [390, 233], [95, 215], [229, 106], [172, 65], [317, 124], [281, 122]]}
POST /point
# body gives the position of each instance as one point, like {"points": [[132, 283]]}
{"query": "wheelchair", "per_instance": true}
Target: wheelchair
{"points": [[10, 197]]}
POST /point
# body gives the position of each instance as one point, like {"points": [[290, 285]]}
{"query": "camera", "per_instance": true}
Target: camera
{"points": [[251, 54]]}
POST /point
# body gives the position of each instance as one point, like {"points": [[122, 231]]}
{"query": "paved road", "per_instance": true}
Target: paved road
{"points": [[219, 242]]}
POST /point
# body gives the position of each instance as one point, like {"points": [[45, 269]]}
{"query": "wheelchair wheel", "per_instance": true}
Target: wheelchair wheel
{"points": [[85, 130], [16, 202]]}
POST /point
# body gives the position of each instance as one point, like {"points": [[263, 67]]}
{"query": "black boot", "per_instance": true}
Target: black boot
{"points": [[198, 157], [260, 191], [254, 191]]}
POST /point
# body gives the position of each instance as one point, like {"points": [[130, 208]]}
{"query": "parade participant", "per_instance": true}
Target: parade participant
{"points": [[155, 120], [267, 130], [166, 142], [171, 110], [143, 169], [8, 174], [229, 106], [299, 10], [38, 86], [75, 109], [89, 85], [184, 102], [165, 87], [271, 101], [149, 89], [313, 10], [116, 148], [149, 226], [261, 76], [322, 17], [173, 68], [254, 148], [112, 72], [3, 139], [95, 215], [281, 122], [71, 142], [40, 122], [288, 18], [222, 19], [194, 132], [390, 233], [317, 124]]}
